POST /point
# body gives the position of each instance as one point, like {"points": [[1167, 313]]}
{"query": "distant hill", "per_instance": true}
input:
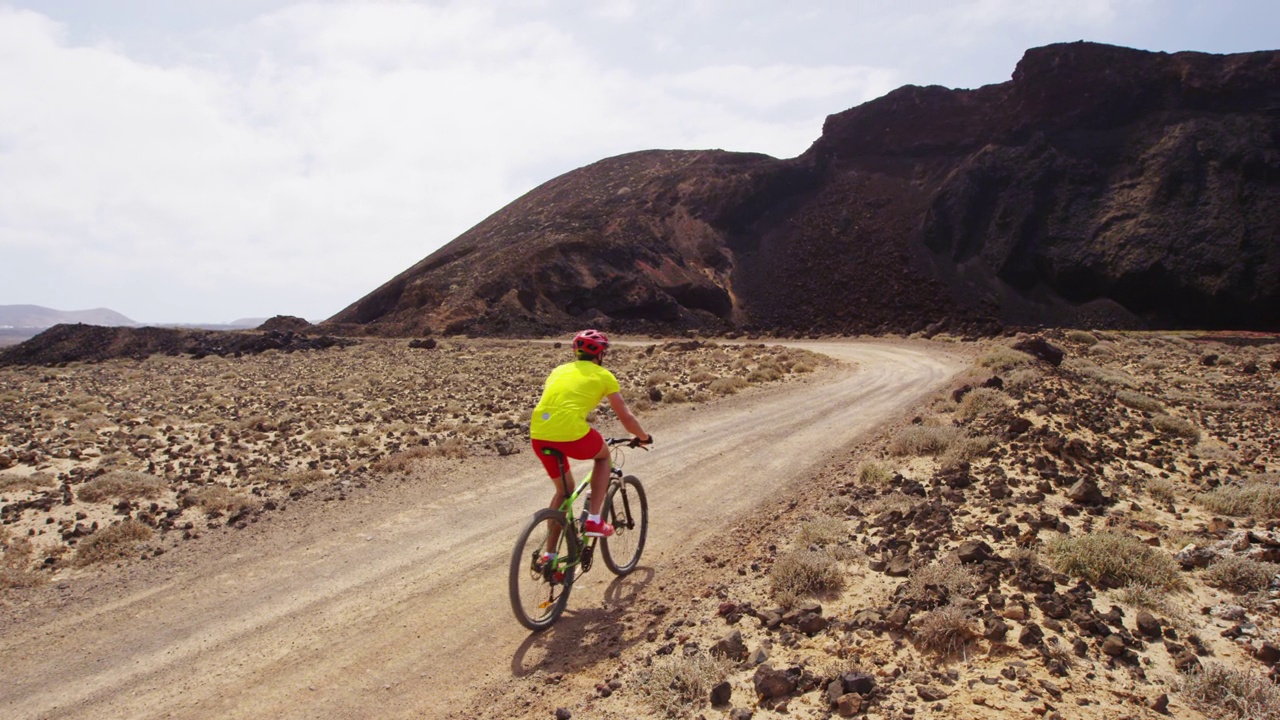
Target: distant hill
{"points": [[1101, 186], [35, 316]]}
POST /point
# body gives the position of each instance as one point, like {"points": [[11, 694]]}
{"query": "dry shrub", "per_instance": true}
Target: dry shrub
{"points": [[1241, 574], [403, 461], [19, 483], [123, 484], [220, 499], [764, 374], [1121, 556], [1081, 337], [916, 440], [797, 574], [946, 631], [16, 555], [1170, 425], [982, 401], [454, 448], [1004, 359], [661, 377], [702, 376], [1022, 378], [728, 385], [1162, 490], [1260, 498], [895, 500], [111, 543], [1101, 375], [675, 685], [1138, 401], [676, 396], [966, 449], [1230, 693], [821, 531], [873, 473], [948, 573]]}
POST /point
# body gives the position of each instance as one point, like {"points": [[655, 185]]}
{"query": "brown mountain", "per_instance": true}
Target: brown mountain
{"points": [[1100, 186]]}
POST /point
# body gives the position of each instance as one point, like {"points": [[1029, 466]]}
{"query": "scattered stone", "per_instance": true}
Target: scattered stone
{"points": [[858, 682], [770, 683], [1160, 703], [1148, 625], [1113, 646], [740, 714], [996, 630], [973, 551], [848, 705], [1031, 635], [1266, 651], [731, 647], [721, 693], [931, 693], [1186, 662], [1086, 492], [898, 566], [563, 714]]}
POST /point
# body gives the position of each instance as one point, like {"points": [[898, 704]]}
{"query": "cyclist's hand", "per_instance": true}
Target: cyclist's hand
{"points": [[638, 443]]}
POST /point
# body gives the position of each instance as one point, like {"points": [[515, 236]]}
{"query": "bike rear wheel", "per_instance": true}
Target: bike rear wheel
{"points": [[627, 509], [538, 597]]}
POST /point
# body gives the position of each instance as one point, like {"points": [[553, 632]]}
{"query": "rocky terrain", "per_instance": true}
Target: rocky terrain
{"points": [[1087, 529], [157, 440], [1083, 525], [1100, 186]]}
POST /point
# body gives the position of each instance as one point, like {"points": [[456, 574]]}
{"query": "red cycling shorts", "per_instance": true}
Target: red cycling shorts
{"points": [[584, 448]]}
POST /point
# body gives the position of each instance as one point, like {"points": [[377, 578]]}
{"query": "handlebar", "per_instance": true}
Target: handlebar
{"points": [[633, 442]]}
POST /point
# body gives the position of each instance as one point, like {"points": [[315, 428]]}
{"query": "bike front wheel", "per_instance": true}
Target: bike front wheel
{"points": [[627, 509], [539, 592]]}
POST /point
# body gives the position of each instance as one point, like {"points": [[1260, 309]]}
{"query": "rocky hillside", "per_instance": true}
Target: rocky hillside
{"points": [[1100, 186]]}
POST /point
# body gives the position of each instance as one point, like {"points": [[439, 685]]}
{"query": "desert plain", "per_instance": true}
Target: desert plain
{"points": [[892, 528]]}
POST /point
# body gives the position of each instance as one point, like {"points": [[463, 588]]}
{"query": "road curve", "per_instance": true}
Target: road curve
{"points": [[395, 606]]}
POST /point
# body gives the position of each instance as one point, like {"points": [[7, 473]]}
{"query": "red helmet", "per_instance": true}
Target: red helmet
{"points": [[592, 342]]}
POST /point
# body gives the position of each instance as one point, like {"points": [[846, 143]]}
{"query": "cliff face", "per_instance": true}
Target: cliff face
{"points": [[1100, 186]]}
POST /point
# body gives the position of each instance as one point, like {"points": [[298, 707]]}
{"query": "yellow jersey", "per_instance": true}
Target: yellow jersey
{"points": [[571, 392]]}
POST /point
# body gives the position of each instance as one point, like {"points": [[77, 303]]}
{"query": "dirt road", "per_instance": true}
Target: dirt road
{"points": [[393, 604]]}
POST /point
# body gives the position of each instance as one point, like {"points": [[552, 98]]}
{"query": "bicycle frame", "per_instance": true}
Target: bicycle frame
{"points": [[573, 523]]}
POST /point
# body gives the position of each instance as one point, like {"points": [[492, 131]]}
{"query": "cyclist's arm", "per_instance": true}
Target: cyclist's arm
{"points": [[628, 420]]}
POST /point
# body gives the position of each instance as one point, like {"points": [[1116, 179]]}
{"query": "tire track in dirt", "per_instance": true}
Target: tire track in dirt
{"points": [[395, 606]]}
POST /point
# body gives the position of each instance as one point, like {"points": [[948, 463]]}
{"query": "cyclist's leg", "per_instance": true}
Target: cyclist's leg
{"points": [[600, 478], [557, 467]]}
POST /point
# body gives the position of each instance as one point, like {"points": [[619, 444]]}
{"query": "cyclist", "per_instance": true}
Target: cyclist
{"points": [[559, 422]]}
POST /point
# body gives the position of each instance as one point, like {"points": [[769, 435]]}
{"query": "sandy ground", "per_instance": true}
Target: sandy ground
{"points": [[393, 604]]}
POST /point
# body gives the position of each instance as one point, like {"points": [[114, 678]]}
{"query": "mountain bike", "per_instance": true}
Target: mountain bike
{"points": [[539, 590]]}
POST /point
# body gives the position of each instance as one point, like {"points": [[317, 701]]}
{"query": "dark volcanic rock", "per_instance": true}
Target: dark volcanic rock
{"points": [[1100, 185]]}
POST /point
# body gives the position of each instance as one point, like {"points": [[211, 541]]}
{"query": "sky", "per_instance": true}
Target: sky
{"points": [[205, 161]]}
